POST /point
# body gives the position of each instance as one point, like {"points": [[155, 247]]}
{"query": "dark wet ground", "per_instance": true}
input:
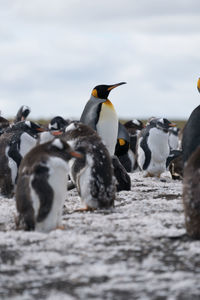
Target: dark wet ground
{"points": [[139, 250]]}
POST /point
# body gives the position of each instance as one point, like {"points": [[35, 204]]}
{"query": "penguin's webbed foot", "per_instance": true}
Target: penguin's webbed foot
{"points": [[61, 227], [83, 209]]}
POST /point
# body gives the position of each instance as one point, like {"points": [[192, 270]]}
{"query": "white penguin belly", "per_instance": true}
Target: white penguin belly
{"points": [[140, 155], [159, 147], [58, 171], [107, 126], [13, 167], [27, 143]]}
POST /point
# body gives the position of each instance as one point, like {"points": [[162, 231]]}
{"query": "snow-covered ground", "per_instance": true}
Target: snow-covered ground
{"points": [[138, 250]]}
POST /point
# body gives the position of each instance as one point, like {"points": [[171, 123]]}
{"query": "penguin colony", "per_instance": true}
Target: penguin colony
{"points": [[94, 155]]}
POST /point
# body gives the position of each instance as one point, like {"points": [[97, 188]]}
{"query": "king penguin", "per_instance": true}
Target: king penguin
{"points": [[191, 194], [191, 132], [41, 186], [99, 113], [93, 174]]}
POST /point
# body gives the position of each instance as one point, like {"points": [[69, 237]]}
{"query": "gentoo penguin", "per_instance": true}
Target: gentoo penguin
{"points": [[93, 175], [191, 132], [191, 194], [175, 164], [41, 186], [22, 113], [99, 114], [15, 142], [55, 128], [4, 123], [58, 123], [153, 147], [174, 142], [134, 127]]}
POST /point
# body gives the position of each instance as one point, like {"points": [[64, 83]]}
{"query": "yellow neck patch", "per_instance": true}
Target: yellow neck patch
{"points": [[198, 85], [122, 142], [108, 103], [94, 93]]}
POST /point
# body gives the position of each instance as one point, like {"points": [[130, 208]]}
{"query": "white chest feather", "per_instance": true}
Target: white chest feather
{"points": [[158, 144], [27, 143], [107, 126], [12, 165], [58, 172]]}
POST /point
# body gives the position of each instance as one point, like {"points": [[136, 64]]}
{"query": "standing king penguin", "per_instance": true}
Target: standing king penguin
{"points": [[191, 132], [99, 113]]}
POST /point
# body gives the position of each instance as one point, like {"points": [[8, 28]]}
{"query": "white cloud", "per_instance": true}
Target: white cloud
{"points": [[54, 52]]}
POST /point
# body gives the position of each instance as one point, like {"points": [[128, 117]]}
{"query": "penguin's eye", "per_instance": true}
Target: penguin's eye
{"points": [[94, 93]]}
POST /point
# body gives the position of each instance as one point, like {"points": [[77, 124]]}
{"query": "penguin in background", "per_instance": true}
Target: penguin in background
{"points": [[122, 148], [15, 142], [99, 113], [41, 186], [153, 147], [191, 194], [4, 123], [134, 127], [58, 123], [93, 174], [191, 132], [174, 142], [55, 128], [22, 114]]}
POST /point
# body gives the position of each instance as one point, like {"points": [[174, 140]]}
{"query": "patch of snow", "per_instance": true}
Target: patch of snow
{"points": [[137, 250]]}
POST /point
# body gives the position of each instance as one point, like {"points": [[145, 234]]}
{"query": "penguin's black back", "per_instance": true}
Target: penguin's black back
{"points": [[90, 115], [143, 144], [191, 134], [191, 194]]}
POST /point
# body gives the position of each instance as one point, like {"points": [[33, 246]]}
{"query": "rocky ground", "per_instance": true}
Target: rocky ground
{"points": [[138, 250]]}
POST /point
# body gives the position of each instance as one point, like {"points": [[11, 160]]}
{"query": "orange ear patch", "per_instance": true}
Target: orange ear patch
{"points": [[94, 93], [198, 85], [122, 142]]}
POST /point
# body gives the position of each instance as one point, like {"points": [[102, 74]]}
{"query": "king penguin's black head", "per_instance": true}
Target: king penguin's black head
{"points": [[198, 85], [102, 91]]}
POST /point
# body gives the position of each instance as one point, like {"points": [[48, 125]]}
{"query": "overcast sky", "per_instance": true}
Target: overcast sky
{"points": [[53, 52]]}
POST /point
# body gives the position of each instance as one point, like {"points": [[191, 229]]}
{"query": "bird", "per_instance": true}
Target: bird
{"points": [[191, 132], [15, 142], [99, 113], [55, 128], [134, 127], [122, 148], [42, 186], [153, 147], [93, 174], [4, 123], [22, 113], [191, 194], [58, 123], [174, 141]]}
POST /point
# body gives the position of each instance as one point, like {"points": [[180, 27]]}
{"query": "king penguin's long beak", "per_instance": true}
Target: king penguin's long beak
{"points": [[198, 85], [115, 85]]}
